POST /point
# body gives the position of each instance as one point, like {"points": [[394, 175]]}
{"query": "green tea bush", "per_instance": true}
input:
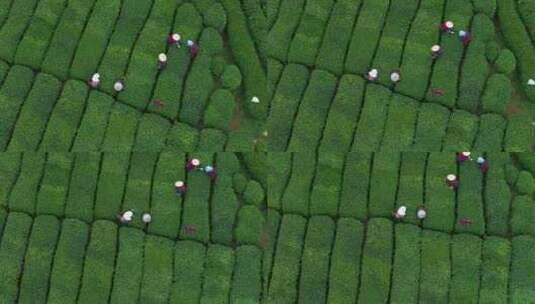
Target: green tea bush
{"points": [[94, 39], [383, 183], [370, 128], [520, 288], [225, 207], [65, 118], [511, 173], [16, 86], [312, 113], [518, 40], [431, 127], [281, 32], [522, 215], [341, 122], [346, 253], [111, 185], [496, 254], [239, 182], [519, 134], [212, 140], [63, 44], [466, 260], [376, 262], [492, 51], [439, 197], [487, 7], [506, 62], [54, 184], [220, 110], [39, 254], [435, 267], [400, 124], [279, 165], [257, 24], [128, 265], [254, 193], [20, 14], [368, 28], [285, 103], [189, 269], [497, 196], [211, 41], [34, 114], [95, 285], [121, 130], [308, 36], [218, 66], [216, 17], [24, 192], [315, 261], [525, 184], [158, 269], [197, 90], [150, 135], [68, 262], [355, 185], [461, 132], [231, 77], [411, 183], [498, 91], [217, 274], [338, 33], [82, 186], [327, 184], [195, 209], [182, 137], [9, 169], [246, 278], [491, 132], [14, 242], [286, 264], [94, 122], [405, 274], [33, 45]]}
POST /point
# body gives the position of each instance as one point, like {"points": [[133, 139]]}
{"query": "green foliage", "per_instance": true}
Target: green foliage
{"points": [[465, 262], [24, 192], [315, 260], [406, 273], [9, 170], [326, 187], [94, 40], [150, 135], [246, 278], [338, 32], [249, 226], [189, 267], [497, 195], [522, 215], [435, 267], [12, 249], [182, 137], [461, 132], [376, 262], [212, 140], [383, 183], [254, 193], [32, 47], [492, 51], [411, 183], [470, 199], [157, 270], [218, 66], [285, 103], [400, 124], [439, 198], [518, 40], [63, 44], [68, 262], [121, 130], [368, 28], [281, 32], [211, 41], [295, 198], [522, 274], [487, 7], [239, 183], [519, 135], [224, 206], [308, 36], [93, 126], [497, 94], [312, 113], [111, 184], [506, 62], [345, 259], [525, 184], [257, 25], [217, 275], [355, 185], [20, 15], [216, 17], [285, 271], [496, 253], [82, 186], [231, 77], [54, 184], [430, 127]]}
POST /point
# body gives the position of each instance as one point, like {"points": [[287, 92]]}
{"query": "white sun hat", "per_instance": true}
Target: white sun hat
{"points": [[255, 99], [265, 133], [127, 216], [146, 218], [480, 160], [118, 86], [162, 57], [95, 77], [451, 177], [435, 48], [176, 37], [195, 162], [421, 213], [531, 82], [467, 154], [373, 73], [462, 33], [179, 184], [402, 211], [449, 24], [395, 76], [208, 168], [190, 43]]}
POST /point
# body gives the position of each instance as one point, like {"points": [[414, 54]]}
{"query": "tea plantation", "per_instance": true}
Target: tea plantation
{"points": [[320, 52], [49, 49]]}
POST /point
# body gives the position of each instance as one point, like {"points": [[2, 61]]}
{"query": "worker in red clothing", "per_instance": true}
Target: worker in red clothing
{"points": [[465, 221], [447, 27], [192, 164], [463, 156], [437, 92], [465, 37], [210, 171], [180, 188], [174, 40], [162, 61], [436, 51], [193, 49], [483, 165], [452, 181]]}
